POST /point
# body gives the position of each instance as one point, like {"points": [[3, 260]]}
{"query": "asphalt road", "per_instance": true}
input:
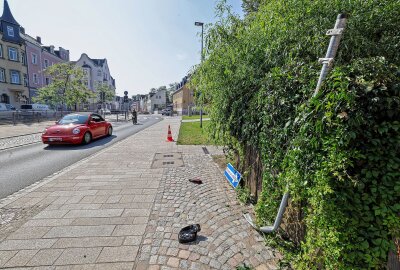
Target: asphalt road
{"points": [[23, 166]]}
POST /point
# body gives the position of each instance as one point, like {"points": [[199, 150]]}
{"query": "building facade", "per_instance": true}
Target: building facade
{"points": [[39, 58], [182, 98], [13, 66], [96, 71]]}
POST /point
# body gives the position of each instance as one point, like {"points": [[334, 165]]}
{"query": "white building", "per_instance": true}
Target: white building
{"points": [[96, 72]]}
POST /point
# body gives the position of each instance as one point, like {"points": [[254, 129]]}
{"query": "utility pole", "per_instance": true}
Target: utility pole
{"points": [[202, 56]]}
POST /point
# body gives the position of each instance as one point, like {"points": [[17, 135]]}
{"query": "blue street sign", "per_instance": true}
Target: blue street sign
{"points": [[232, 175]]}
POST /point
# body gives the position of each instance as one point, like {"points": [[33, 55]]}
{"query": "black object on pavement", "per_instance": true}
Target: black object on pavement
{"points": [[196, 181], [188, 233]]}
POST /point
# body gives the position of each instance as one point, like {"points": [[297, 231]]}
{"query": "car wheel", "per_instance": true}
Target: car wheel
{"points": [[87, 138], [110, 130]]}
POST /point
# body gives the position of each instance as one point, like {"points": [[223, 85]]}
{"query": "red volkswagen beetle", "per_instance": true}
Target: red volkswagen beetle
{"points": [[76, 128]]}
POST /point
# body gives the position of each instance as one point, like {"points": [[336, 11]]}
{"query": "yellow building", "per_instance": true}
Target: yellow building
{"points": [[13, 68], [182, 99]]}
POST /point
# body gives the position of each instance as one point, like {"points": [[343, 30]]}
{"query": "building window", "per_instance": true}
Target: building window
{"points": [[34, 59], [10, 31], [25, 80], [99, 73], [4, 98], [35, 78], [1, 51], [23, 58], [15, 79], [47, 81], [46, 63], [12, 54], [2, 75]]}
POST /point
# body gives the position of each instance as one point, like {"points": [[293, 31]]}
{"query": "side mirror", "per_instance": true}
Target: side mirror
{"points": [[56, 122]]}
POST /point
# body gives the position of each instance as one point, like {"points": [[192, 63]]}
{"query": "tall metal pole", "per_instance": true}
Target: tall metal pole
{"points": [[201, 104]]}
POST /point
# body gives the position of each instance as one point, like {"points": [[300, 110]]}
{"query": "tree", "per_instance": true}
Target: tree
{"points": [[66, 87], [104, 92], [250, 6], [171, 89]]}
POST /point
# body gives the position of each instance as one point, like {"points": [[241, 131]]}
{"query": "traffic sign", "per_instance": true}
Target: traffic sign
{"points": [[232, 175]]}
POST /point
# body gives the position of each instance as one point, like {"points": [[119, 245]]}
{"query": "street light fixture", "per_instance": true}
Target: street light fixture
{"points": [[202, 35]]}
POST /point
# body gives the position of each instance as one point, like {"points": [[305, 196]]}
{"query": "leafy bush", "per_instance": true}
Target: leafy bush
{"points": [[337, 152]]}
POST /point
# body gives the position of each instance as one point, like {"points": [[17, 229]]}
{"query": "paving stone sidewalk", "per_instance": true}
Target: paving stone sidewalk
{"points": [[116, 210]]}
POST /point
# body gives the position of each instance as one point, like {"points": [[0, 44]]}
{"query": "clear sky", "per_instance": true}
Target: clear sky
{"points": [[147, 43]]}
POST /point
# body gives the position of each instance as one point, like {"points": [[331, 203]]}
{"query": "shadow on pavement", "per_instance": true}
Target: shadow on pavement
{"points": [[94, 143], [200, 238]]}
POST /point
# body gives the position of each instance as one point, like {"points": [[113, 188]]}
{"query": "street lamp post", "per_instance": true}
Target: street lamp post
{"points": [[202, 35]]}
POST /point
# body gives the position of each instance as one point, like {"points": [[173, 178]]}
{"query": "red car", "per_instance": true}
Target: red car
{"points": [[76, 128]]}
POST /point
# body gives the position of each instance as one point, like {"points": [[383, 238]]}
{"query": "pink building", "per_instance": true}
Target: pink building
{"points": [[38, 58]]}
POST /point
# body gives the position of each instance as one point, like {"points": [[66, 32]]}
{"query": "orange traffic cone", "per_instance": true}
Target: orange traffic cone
{"points": [[169, 137]]}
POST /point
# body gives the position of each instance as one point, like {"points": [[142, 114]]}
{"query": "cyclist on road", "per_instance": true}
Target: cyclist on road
{"points": [[134, 117]]}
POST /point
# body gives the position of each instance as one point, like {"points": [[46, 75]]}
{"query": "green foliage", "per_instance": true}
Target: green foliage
{"points": [[66, 86], [105, 93], [338, 153], [243, 194]]}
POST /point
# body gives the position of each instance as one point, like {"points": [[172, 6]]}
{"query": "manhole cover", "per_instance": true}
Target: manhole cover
{"points": [[167, 160]]}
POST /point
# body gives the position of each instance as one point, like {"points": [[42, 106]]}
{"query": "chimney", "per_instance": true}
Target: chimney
{"points": [[52, 49], [22, 30], [39, 39]]}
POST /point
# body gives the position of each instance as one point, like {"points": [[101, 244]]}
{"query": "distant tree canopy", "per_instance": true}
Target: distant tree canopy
{"points": [[104, 92], [66, 87]]}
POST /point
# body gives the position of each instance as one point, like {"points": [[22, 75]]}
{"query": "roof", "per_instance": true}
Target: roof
{"points": [[30, 39], [7, 16], [99, 62]]}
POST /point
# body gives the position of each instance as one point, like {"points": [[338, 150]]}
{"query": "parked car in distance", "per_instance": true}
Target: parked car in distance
{"points": [[104, 111], [77, 128], [166, 112], [10, 107], [35, 107]]}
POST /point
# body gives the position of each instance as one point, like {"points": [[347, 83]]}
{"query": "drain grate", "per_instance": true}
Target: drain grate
{"points": [[168, 162], [205, 150]]}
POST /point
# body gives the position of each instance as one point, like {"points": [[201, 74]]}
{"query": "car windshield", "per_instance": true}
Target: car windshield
{"points": [[73, 119]]}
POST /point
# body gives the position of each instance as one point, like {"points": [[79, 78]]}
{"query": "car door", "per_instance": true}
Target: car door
{"points": [[95, 125], [101, 125]]}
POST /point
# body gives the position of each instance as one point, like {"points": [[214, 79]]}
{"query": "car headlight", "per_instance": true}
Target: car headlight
{"points": [[76, 131], [44, 131]]}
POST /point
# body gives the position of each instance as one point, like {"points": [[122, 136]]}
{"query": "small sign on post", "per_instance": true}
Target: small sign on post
{"points": [[232, 175]]}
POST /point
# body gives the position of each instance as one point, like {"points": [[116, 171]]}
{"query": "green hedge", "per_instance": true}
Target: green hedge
{"points": [[337, 152]]}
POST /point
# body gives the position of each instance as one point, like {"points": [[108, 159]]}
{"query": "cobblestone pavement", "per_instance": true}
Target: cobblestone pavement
{"points": [[117, 210], [226, 240], [19, 140]]}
